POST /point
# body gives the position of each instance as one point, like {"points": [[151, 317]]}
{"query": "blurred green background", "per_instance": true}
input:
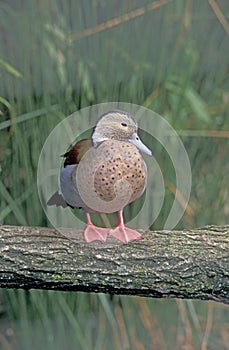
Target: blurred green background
{"points": [[62, 55]]}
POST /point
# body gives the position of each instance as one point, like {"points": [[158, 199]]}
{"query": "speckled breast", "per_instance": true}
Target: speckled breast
{"points": [[118, 161]]}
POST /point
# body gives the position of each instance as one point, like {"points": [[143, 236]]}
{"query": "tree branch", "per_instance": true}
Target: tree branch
{"points": [[183, 264]]}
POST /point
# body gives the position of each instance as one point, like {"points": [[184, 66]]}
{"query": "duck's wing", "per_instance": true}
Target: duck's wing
{"points": [[75, 154], [67, 194]]}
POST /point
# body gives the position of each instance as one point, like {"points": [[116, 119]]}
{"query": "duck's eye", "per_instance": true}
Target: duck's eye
{"points": [[124, 124]]}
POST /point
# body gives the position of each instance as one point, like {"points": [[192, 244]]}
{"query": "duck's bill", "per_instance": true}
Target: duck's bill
{"points": [[135, 140]]}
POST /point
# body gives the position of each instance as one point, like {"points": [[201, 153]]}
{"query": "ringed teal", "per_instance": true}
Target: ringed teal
{"points": [[105, 173]]}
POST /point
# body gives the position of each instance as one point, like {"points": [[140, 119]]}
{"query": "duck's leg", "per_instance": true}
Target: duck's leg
{"points": [[94, 233], [123, 233]]}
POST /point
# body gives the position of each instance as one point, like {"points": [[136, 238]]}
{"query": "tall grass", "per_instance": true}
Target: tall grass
{"points": [[57, 320], [57, 57]]}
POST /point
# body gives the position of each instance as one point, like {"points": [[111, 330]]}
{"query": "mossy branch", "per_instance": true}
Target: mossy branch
{"points": [[183, 264]]}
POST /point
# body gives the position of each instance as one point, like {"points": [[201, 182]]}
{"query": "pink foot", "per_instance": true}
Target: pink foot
{"points": [[125, 234], [95, 233]]}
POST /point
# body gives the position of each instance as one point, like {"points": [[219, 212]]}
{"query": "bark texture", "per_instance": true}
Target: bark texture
{"points": [[183, 264]]}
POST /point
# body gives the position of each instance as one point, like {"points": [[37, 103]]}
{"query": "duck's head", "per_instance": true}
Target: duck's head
{"points": [[118, 125]]}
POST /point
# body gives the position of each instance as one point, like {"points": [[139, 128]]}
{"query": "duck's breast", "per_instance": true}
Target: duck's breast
{"points": [[119, 161]]}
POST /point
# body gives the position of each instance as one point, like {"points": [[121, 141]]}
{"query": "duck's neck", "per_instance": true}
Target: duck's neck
{"points": [[97, 138]]}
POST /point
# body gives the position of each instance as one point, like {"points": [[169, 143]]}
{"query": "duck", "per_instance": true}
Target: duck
{"points": [[105, 173]]}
